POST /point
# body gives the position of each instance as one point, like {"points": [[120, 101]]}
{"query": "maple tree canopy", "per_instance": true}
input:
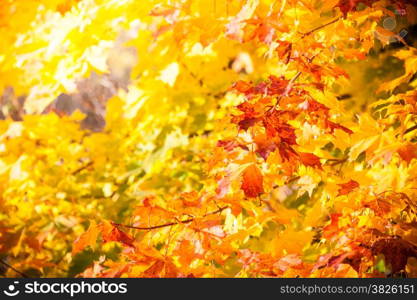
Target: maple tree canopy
{"points": [[208, 138]]}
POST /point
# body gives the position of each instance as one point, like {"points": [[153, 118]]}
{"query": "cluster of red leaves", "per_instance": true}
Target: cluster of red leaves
{"points": [[383, 233], [266, 116], [357, 246]]}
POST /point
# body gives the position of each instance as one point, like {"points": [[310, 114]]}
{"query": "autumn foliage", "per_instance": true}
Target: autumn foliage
{"points": [[208, 138]]}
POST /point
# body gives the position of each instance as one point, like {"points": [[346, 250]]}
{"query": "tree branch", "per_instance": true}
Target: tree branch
{"points": [[189, 220]]}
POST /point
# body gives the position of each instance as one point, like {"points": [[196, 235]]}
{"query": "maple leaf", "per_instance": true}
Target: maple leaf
{"points": [[287, 153], [186, 252], [242, 87], [262, 31], [250, 115], [277, 85], [408, 152], [355, 258], [311, 160], [111, 233], [190, 199], [284, 50], [396, 251], [332, 229], [252, 181], [88, 238], [265, 145], [276, 126], [346, 188]]}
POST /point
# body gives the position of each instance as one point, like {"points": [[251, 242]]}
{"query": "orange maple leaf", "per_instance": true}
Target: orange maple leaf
{"points": [[346, 188], [88, 238], [408, 152], [252, 181], [111, 233]]}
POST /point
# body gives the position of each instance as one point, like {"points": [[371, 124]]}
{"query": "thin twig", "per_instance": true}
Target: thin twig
{"points": [[291, 83], [82, 168], [410, 129], [170, 223], [320, 27], [291, 180], [14, 269]]}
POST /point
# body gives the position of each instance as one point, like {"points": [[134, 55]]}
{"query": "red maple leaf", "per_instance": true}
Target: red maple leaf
{"points": [[346, 188], [252, 181], [311, 160]]}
